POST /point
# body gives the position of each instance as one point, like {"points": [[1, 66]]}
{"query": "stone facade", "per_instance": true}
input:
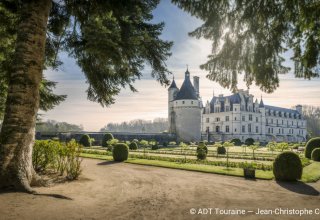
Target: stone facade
{"points": [[185, 109], [228, 117]]}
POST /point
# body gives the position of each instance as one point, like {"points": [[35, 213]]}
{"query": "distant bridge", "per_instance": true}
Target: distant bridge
{"points": [[123, 136]]}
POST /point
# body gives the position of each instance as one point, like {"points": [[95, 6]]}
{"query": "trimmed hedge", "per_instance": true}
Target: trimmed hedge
{"points": [[85, 140], [221, 150], [287, 167], [236, 142], [120, 152], [315, 155], [106, 137], [133, 146], [154, 147], [249, 141], [201, 153], [202, 145], [311, 145]]}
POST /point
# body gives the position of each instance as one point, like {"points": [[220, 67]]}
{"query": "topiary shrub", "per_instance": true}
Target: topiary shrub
{"points": [[120, 152], [154, 147], [106, 137], [85, 140], [311, 145], [202, 145], [287, 167], [221, 150], [201, 153], [236, 142], [133, 146], [249, 141], [315, 155]]}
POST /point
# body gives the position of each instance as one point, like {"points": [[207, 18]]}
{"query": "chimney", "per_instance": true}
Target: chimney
{"points": [[196, 85], [299, 109]]}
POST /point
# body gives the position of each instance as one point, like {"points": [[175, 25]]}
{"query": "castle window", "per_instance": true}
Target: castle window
{"points": [[279, 131], [243, 128], [282, 121], [182, 102], [235, 109], [191, 102], [250, 117], [243, 118], [235, 130], [249, 127], [227, 108], [217, 129], [271, 121], [269, 130], [227, 118], [235, 118], [217, 119], [257, 119], [227, 128], [208, 129], [257, 129]]}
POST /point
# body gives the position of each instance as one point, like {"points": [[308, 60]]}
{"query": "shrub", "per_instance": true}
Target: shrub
{"points": [[106, 137], [315, 155], [221, 150], [154, 147], [85, 140], [236, 141], [201, 153], [249, 141], [111, 143], [311, 145], [73, 164], [61, 158], [202, 145], [287, 166], [133, 146], [120, 152], [44, 154]]}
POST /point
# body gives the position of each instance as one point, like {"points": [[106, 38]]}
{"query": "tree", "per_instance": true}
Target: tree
{"points": [[272, 146], [184, 147], [250, 37], [312, 115], [228, 144], [111, 42], [254, 147]]}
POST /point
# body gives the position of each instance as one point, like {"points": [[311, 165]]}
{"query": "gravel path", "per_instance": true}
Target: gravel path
{"points": [[110, 190]]}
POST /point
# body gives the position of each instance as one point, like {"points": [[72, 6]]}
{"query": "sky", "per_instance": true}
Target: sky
{"points": [[151, 100]]}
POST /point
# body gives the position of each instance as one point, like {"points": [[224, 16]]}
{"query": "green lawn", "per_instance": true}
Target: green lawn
{"points": [[311, 173], [186, 166]]}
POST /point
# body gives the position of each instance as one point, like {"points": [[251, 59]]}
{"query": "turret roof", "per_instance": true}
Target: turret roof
{"points": [[173, 85], [187, 90]]}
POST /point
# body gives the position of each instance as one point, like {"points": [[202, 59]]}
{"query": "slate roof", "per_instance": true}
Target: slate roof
{"points": [[187, 90], [173, 85], [233, 99], [261, 105], [287, 110]]}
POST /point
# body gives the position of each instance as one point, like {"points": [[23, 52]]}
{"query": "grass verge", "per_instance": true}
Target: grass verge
{"points": [[311, 173]]}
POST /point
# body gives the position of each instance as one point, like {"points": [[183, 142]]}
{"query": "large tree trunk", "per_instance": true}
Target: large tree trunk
{"points": [[18, 128]]}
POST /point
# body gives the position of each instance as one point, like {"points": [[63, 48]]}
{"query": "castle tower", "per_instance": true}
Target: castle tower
{"points": [[263, 119], [172, 93], [186, 111]]}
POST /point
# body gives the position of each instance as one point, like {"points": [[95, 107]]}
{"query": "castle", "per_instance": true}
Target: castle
{"points": [[228, 117]]}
